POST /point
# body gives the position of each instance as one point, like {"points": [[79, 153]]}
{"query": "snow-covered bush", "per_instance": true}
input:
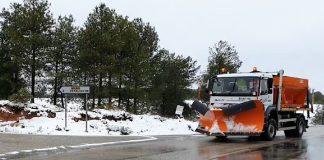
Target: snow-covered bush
{"points": [[22, 96]]}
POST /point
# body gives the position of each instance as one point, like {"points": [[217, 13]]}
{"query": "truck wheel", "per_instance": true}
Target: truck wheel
{"points": [[270, 130], [222, 138], [299, 131], [288, 133]]}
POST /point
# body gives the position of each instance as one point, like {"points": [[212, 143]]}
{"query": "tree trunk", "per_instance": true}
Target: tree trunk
{"points": [[93, 98], [128, 86], [55, 83], [33, 74], [85, 83], [162, 105], [100, 90], [127, 104], [94, 92], [110, 87], [135, 98], [119, 91], [135, 105]]}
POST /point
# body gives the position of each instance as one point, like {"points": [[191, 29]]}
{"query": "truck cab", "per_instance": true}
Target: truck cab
{"points": [[230, 89]]}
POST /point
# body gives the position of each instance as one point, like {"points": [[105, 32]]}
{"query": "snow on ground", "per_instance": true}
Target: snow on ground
{"points": [[104, 122], [311, 115]]}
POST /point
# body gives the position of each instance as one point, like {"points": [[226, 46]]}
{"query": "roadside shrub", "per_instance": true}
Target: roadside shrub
{"points": [[22, 96]]}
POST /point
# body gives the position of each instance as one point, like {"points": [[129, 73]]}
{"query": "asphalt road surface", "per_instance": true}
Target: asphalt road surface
{"points": [[188, 147]]}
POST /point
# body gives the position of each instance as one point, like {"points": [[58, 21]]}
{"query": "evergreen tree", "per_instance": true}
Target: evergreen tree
{"points": [[123, 50], [319, 115], [63, 54], [145, 44], [9, 82], [116, 56], [222, 55], [318, 98], [96, 50], [29, 28], [171, 77]]}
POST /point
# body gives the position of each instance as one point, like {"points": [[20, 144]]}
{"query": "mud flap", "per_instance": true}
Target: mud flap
{"points": [[248, 120]]}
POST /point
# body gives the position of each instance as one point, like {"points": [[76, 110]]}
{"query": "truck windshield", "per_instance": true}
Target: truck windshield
{"points": [[245, 86]]}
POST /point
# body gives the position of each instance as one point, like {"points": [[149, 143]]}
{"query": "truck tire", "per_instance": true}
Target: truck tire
{"points": [[222, 138], [299, 131], [270, 130], [288, 133]]}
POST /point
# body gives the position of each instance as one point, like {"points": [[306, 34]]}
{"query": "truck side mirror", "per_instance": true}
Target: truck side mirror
{"points": [[210, 84], [270, 90], [264, 92]]}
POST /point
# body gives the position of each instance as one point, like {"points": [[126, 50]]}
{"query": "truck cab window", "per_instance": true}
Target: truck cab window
{"points": [[264, 87], [236, 86], [270, 81]]}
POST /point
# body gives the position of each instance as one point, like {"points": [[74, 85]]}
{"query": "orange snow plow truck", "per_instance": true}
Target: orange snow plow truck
{"points": [[255, 104]]}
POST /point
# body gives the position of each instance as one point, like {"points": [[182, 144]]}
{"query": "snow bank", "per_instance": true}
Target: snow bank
{"points": [[311, 115], [103, 122]]}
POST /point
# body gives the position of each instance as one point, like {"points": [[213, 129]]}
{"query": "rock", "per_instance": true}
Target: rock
{"points": [[125, 131], [51, 114], [122, 117], [40, 129], [190, 128], [112, 128], [94, 126], [58, 128]]}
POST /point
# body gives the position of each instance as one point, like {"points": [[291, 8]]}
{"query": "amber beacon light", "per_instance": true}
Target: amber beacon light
{"points": [[223, 70]]}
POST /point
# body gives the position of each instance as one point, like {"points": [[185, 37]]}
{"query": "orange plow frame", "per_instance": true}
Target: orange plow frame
{"points": [[249, 122]]}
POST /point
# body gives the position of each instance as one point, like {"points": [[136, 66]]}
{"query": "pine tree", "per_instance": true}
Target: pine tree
{"points": [[146, 43], [9, 82], [171, 76], [96, 50], [63, 54], [319, 116], [29, 28], [123, 50], [318, 97], [222, 55]]}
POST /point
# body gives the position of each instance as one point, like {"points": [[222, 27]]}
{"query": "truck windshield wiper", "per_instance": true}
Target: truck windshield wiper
{"points": [[233, 86]]}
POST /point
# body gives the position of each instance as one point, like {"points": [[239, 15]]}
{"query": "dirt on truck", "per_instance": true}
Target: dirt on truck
{"points": [[255, 104]]}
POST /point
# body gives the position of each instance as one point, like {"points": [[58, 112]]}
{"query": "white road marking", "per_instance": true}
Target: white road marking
{"points": [[148, 138], [46, 149], [12, 153], [109, 143]]}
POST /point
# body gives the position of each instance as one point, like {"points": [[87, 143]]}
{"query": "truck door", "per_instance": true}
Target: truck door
{"points": [[265, 93]]}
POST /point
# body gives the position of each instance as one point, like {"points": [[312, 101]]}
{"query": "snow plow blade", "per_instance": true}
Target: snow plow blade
{"points": [[246, 118], [238, 108]]}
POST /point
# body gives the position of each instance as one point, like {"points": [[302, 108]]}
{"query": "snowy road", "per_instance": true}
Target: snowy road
{"points": [[311, 146]]}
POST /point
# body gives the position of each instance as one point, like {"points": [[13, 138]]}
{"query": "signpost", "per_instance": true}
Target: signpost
{"points": [[76, 89], [179, 110]]}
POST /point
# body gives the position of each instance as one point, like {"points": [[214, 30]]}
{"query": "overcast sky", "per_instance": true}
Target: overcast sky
{"points": [[268, 34]]}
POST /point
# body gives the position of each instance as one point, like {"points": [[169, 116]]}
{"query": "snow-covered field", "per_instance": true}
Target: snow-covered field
{"points": [[103, 122]]}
